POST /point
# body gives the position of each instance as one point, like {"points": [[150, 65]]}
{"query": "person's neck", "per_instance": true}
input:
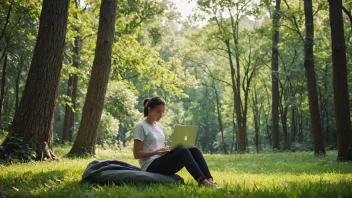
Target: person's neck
{"points": [[150, 121]]}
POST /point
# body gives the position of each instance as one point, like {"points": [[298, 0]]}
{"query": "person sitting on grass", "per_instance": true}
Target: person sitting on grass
{"points": [[149, 148]]}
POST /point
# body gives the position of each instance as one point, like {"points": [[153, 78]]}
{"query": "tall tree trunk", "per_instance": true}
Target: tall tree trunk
{"points": [[293, 126], [6, 22], [94, 103], [256, 116], [18, 84], [339, 70], [72, 86], [300, 119], [275, 78], [67, 136], [220, 119], [324, 102], [3, 84], [284, 126], [267, 129], [74, 105], [33, 120], [122, 133], [318, 141], [236, 82]]}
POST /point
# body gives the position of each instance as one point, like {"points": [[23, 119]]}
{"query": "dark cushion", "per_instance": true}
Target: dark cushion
{"points": [[119, 172]]}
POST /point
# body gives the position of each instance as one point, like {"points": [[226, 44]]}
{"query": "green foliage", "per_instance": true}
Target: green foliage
{"points": [[17, 151], [17, 42], [3, 135], [108, 128], [252, 175], [120, 102]]}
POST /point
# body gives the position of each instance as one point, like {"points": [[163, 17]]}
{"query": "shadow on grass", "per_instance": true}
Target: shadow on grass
{"points": [[62, 184], [31, 184]]}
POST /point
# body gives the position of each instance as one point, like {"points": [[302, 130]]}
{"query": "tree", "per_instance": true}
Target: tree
{"points": [[94, 103], [339, 68], [275, 77], [311, 81], [32, 123], [72, 87]]}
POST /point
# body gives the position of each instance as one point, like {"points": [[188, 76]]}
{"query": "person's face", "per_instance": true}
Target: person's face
{"points": [[156, 113]]}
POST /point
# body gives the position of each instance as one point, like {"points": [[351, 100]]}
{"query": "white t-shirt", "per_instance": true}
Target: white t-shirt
{"points": [[153, 139]]}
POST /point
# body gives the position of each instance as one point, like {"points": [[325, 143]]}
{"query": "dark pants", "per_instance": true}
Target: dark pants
{"points": [[176, 159]]}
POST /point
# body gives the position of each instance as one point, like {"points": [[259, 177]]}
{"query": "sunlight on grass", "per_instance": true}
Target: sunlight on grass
{"points": [[248, 175]]}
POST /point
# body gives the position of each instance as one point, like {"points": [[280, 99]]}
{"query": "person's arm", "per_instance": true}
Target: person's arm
{"points": [[138, 153]]}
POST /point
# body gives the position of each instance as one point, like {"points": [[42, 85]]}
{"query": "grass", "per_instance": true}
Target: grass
{"points": [[248, 175]]}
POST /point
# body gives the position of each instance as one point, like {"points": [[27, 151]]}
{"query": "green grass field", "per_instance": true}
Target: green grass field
{"points": [[248, 175]]}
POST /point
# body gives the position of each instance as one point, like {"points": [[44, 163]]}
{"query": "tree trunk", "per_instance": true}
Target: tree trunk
{"points": [[67, 133], [72, 86], [74, 105], [76, 61], [122, 134], [220, 120], [18, 84], [275, 78], [267, 128], [94, 103], [300, 120], [293, 127], [284, 126], [6, 22], [339, 70], [32, 122], [256, 116], [3, 82], [318, 141]]}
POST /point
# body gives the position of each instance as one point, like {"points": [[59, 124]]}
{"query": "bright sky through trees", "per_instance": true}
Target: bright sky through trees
{"points": [[184, 7]]}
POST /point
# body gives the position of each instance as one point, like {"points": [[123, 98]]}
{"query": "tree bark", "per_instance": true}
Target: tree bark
{"points": [[3, 84], [220, 119], [275, 78], [300, 120], [94, 103], [339, 70], [284, 126], [18, 84], [293, 126], [67, 133], [318, 141], [32, 122]]}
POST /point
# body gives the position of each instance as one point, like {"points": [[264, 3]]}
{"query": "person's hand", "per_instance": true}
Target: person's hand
{"points": [[164, 149]]}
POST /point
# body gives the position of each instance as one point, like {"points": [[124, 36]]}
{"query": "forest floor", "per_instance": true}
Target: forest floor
{"points": [[299, 174]]}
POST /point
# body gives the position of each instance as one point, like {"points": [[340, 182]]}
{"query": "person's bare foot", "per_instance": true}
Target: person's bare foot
{"points": [[209, 184], [206, 183], [214, 184]]}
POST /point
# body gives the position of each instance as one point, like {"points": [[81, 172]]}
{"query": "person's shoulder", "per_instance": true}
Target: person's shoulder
{"points": [[141, 124]]}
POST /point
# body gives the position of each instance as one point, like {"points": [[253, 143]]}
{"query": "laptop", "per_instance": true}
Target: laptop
{"points": [[184, 136]]}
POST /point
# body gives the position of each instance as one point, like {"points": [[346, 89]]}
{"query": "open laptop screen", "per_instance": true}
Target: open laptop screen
{"points": [[184, 136]]}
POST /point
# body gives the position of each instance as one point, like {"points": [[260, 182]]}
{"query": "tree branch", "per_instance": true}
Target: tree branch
{"points": [[348, 13], [7, 21], [295, 22]]}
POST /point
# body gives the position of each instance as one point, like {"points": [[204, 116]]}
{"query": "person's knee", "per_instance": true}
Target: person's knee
{"points": [[194, 149], [184, 152]]}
